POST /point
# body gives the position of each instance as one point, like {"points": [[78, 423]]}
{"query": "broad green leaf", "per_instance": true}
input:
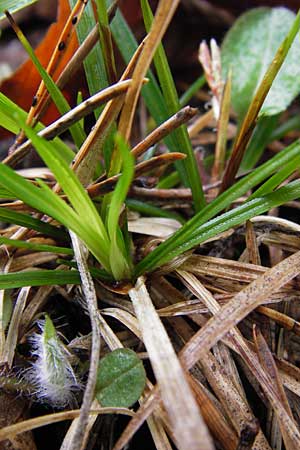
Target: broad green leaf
{"points": [[121, 379], [38, 278], [13, 5], [249, 47]]}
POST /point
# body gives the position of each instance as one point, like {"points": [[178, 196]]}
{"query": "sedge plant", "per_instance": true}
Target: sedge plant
{"points": [[101, 222]]}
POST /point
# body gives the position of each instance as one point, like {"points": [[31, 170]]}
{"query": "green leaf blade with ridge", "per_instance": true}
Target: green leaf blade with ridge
{"points": [[13, 6]]}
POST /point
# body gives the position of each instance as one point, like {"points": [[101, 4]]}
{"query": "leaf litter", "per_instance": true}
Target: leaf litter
{"points": [[204, 321]]}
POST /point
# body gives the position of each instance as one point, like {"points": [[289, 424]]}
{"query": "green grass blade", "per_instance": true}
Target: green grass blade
{"points": [[183, 142], [38, 278], [120, 192], [150, 210], [94, 65], [44, 199], [8, 109], [70, 184], [119, 264], [192, 90], [222, 202], [35, 247], [14, 217], [260, 138], [76, 130], [223, 222], [41, 199], [291, 124], [151, 93], [13, 6], [278, 178], [106, 41]]}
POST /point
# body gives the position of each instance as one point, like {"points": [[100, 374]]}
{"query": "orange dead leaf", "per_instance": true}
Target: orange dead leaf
{"points": [[23, 84]]}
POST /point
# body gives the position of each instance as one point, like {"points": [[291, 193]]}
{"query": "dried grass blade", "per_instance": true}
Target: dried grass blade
{"points": [[252, 245], [214, 418], [68, 119], [13, 330], [239, 307], [141, 415], [267, 362], [79, 434], [31, 424], [222, 126], [145, 166], [181, 117], [64, 38], [289, 429], [175, 391], [84, 164], [233, 402], [163, 16]]}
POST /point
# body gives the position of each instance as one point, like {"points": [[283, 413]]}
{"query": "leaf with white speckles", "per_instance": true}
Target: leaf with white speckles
{"points": [[249, 47]]}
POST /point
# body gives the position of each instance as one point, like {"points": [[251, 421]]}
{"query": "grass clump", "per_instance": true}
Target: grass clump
{"points": [[204, 257]]}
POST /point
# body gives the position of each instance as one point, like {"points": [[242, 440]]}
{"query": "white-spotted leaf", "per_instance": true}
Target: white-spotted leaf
{"points": [[121, 379], [249, 47]]}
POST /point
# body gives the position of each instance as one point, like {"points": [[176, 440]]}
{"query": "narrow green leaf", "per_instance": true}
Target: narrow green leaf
{"points": [[192, 90], [223, 201], [260, 138], [8, 109], [35, 247], [24, 220], [182, 139], [13, 6], [150, 210], [151, 93], [38, 278], [222, 223], [290, 124], [275, 181], [94, 65], [44, 199], [121, 379], [77, 132], [249, 47], [119, 265], [106, 41], [70, 184]]}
